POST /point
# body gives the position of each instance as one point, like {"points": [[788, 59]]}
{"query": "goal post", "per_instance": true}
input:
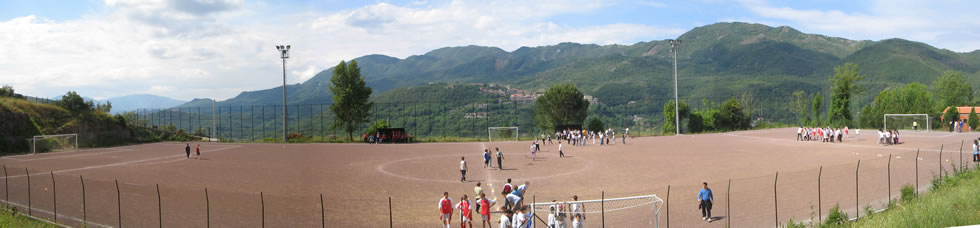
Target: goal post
{"points": [[907, 121], [503, 133], [633, 211], [49, 143]]}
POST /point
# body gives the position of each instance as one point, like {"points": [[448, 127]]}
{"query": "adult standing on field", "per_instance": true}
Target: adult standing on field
{"points": [[479, 191], [561, 153], [446, 210], [705, 200], [187, 149], [462, 169], [500, 159]]}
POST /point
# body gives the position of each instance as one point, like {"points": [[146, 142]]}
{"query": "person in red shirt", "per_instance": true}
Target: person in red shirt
{"points": [[198, 151], [446, 210], [465, 212], [507, 189], [485, 205]]}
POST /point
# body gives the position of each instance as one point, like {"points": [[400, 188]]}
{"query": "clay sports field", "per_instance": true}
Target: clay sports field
{"points": [[356, 180]]}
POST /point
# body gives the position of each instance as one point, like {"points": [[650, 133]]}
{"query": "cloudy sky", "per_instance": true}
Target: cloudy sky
{"points": [[186, 49]]}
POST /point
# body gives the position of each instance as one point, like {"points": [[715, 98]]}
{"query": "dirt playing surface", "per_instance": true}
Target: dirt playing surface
{"points": [[356, 180]]}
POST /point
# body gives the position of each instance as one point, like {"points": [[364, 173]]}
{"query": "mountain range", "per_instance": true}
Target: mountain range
{"points": [[718, 60]]}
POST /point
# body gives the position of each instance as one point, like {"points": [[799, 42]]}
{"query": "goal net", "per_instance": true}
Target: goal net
{"points": [[497, 134], [634, 211], [52, 143], [918, 122]]}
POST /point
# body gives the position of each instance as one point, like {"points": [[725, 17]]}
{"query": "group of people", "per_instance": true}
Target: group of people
{"points": [[560, 213], [958, 126], [826, 134], [887, 137], [392, 137], [187, 150], [515, 212], [582, 137]]}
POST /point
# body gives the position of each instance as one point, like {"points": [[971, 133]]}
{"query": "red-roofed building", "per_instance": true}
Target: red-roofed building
{"points": [[964, 112]]}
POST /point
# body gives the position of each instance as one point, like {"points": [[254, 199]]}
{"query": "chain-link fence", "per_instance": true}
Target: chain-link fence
{"points": [[806, 195]]}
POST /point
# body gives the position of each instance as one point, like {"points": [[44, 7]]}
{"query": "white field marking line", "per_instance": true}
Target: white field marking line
{"points": [[489, 179], [87, 223], [114, 164], [115, 150]]}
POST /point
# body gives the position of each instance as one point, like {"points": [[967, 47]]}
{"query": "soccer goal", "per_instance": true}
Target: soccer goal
{"points": [[51, 143], [496, 134], [907, 122], [634, 211]]}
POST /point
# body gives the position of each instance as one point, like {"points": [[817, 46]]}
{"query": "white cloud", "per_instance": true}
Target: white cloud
{"points": [[218, 48], [945, 24]]}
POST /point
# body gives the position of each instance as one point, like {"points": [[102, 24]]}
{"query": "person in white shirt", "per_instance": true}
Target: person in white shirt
{"points": [[520, 219], [534, 152], [881, 137], [578, 213], [505, 221], [857, 132], [561, 153], [799, 134], [446, 210], [552, 217], [462, 169]]}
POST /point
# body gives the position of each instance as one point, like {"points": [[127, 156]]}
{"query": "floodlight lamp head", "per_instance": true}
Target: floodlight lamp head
{"points": [[287, 47], [278, 47]]}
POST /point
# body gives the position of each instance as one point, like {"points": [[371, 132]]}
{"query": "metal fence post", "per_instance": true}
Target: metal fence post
{"points": [[262, 199], [54, 197], [323, 220], [941, 161], [602, 208], [775, 198], [159, 206], [29, 207], [668, 206], [819, 197], [917, 171], [889, 179], [84, 214], [857, 204], [391, 219], [6, 187], [207, 205], [119, 203], [729, 203]]}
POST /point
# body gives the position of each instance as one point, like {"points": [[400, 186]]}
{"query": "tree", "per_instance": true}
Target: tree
{"points": [[952, 89], [731, 116], [669, 117], [595, 124], [913, 98], [817, 107], [377, 125], [561, 104], [952, 114], [106, 108], [843, 85], [74, 103], [6, 91], [351, 106], [974, 119], [800, 106]]}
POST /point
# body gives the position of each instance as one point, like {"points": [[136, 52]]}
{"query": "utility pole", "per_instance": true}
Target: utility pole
{"points": [[677, 111], [284, 54], [214, 121]]}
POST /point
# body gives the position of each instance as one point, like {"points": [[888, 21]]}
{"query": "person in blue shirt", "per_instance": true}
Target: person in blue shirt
{"points": [[705, 200]]}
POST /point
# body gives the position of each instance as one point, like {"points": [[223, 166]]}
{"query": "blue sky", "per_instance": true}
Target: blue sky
{"points": [[218, 48]]}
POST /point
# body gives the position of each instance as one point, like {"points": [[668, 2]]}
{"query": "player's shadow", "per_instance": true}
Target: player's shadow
{"points": [[717, 218], [507, 169]]}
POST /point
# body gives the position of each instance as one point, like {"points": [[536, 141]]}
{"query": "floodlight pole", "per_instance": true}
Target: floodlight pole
{"points": [[284, 54], [677, 111]]}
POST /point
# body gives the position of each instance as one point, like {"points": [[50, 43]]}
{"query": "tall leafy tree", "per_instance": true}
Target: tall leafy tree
{"points": [[952, 89], [670, 118], [817, 107], [595, 124], [801, 105], [731, 116], [843, 85], [350, 98], [974, 119], [561, 104]]}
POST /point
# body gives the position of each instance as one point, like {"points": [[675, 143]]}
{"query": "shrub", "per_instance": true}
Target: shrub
{"points": [[794, 224], [868, 210], [836, 216], [908, 192]]}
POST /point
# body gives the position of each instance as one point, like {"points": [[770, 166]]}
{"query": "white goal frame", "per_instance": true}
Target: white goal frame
{"points": [[517, 130], [658, 204], [885, 120], [36, 137]]}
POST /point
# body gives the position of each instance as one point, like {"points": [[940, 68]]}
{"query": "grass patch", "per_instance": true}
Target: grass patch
{"points": [[10, 218], [954, 202]]}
